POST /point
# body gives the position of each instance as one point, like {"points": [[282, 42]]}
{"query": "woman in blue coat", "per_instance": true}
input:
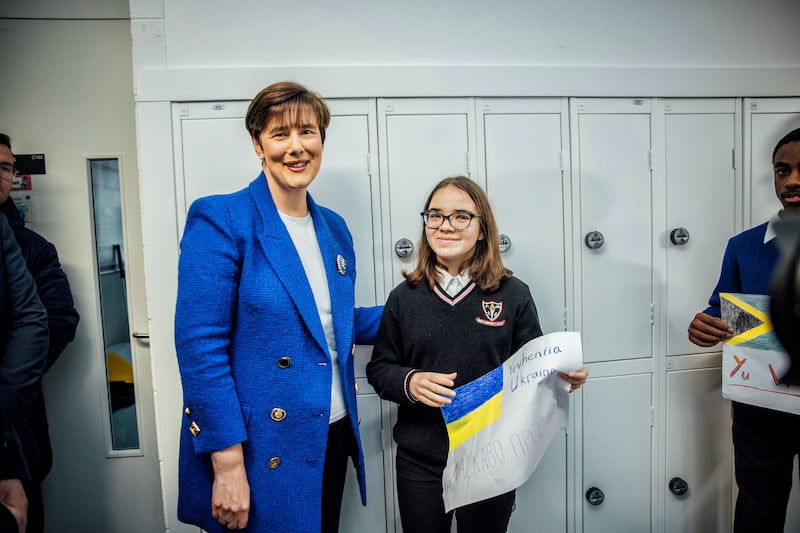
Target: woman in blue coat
{"points": [[265, 327]]}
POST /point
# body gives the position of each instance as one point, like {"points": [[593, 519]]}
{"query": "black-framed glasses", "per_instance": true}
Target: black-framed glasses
{"points": [[460, 220], [7, 170]]}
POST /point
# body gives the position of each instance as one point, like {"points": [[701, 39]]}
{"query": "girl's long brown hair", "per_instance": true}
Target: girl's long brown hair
{"points": [[486, 267]]}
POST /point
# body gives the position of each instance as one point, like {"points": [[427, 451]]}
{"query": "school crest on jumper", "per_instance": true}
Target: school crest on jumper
{"points": [[491, 310]]}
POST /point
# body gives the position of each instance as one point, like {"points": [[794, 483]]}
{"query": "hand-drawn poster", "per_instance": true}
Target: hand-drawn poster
{"points": [[753, 360], [501, 424]]}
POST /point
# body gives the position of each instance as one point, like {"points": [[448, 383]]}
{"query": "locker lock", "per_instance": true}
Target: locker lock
{"points": [[678, 487], [403, 247], [679, 236], [594, 240], [595, 496], [505, 243]]}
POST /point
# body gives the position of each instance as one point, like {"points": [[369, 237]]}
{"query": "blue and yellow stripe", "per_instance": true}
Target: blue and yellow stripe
{"points": [[478, 405]]}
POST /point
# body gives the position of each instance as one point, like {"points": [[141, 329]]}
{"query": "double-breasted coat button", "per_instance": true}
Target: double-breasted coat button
{"points": [[275, 462], [358, 388], [284, 362], [187, 411], [194, 429], [277, 414]]}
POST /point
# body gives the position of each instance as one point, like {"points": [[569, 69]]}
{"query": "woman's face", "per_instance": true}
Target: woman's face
{"points": [[291, 154], [453, 247]]}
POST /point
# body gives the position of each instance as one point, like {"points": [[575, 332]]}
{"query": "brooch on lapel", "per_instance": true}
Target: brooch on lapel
{"points": [[341, 264]]}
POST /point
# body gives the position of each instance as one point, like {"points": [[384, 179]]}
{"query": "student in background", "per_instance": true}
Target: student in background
{"points": [[430, 342], [765, 441], [23, 345], [265, 328], [54, 291]]}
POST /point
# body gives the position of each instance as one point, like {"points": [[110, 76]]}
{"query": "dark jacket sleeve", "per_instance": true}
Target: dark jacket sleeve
{"points": [[25, 349], [12, 461], [53, 289]]}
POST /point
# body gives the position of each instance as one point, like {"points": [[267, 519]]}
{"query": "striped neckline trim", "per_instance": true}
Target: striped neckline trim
{"points": [[454, 299]]}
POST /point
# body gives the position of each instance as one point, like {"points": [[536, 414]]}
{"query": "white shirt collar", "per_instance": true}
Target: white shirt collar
{"points": [[770, 233], [452, 285]]}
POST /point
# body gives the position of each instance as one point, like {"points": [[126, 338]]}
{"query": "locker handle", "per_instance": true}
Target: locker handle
{"points": [[403, 248], [595, 496], [678, 486], [505, 243], [679, 236], [594, 240]]}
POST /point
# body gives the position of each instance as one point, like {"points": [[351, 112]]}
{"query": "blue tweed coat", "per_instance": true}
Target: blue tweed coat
{"points": [[249, 339]]}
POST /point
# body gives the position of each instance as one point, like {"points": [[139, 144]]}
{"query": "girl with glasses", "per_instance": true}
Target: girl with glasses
{"points": [[459, 314]]}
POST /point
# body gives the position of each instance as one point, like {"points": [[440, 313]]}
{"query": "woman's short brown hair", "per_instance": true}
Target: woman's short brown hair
{"points": [[486, 267], [288, 101]]}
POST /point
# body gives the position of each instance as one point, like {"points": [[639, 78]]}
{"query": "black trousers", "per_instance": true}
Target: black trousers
{"points": [[340, 449], [33, 491], [765, 443], [419, 495]]}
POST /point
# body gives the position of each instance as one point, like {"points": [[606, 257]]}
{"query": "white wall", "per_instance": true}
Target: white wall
{"points": [[728, 33], [195, 49]]}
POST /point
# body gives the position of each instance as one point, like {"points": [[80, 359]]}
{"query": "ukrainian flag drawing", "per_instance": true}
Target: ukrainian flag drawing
{"points": [[500, 424], [480, 405]]}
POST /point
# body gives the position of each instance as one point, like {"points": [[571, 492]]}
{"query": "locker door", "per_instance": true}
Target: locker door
{"points": [[216, 156], [701, 185], [522, 152], [766, 121], [699, 453], [617, 450], [611, 172], [422, 141], [543, 499], [356, 517], [523, 146]]}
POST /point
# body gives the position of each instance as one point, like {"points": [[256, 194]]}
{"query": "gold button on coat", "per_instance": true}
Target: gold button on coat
{"points": [[358, 388], [275, 462], [187, 411], [194, 428], [277, 414], [284, 362]]}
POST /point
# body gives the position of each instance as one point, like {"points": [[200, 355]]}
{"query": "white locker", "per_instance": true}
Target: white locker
{"points": [[617, 445], [702, 198], [699, 460], [524, 146], [214, 155], [356, 517], [524, 143], [767, 120], [611, 169], [422, 141]]}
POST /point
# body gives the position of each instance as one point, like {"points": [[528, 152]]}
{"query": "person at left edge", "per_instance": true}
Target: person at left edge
{"points": [[52, 286], [265, 328], [23, 354]]}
